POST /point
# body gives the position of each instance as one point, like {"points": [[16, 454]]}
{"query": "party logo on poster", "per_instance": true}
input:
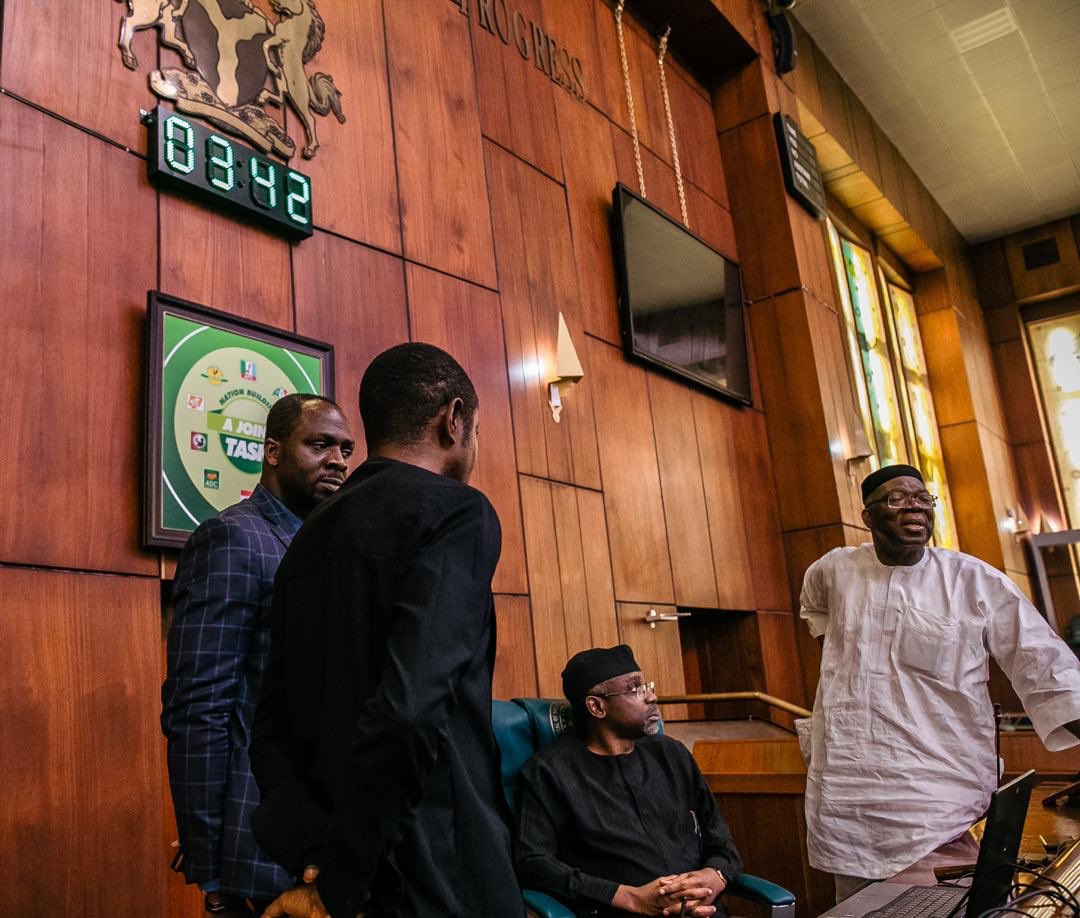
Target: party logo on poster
{"points": [[198, 441], [211, 479], [196, 403]]}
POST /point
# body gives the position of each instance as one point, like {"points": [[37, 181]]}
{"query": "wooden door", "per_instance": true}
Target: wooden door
{"points": [[657, 648]]}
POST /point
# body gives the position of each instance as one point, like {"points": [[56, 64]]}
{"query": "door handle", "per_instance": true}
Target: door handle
{"points": [[653, 617]]}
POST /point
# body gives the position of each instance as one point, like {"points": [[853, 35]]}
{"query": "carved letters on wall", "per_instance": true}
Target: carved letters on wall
{"points": [[231, 49], [531, 41]]}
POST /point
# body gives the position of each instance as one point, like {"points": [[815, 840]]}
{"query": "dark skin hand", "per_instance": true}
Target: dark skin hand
{"points": [[301, 901], [664, 895]]}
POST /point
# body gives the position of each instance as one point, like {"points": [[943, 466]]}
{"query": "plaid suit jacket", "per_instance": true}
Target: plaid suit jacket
{"points": [[218, 647]]}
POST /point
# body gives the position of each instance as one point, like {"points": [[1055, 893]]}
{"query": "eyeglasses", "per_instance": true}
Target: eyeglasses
{"points": [[897, 500], [638, 691]]}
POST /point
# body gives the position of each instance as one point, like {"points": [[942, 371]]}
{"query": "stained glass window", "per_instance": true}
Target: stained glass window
{"points": [[1055, 348], [919, 418], [868, 324], [891, 382]]}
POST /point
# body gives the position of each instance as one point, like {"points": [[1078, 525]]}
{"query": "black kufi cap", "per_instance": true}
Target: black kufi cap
{"points": [[875, 480], [591, 667]]}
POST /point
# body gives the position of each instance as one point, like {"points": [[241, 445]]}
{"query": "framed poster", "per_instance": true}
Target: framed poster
{"points": [[212, 380]]}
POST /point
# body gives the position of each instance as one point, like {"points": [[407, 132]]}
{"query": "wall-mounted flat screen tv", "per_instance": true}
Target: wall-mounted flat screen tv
{"points": [[680, 300]]}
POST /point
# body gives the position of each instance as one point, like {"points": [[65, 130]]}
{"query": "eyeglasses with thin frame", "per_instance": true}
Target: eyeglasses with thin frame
{"points": [[638, 691], [897, 500]]}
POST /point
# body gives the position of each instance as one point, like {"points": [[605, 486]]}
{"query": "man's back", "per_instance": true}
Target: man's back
{"points": [[378, 698]]}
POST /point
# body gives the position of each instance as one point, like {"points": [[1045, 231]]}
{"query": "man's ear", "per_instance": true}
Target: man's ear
{"points": [[452, 422], [596, 707], [272, 452], [867, 517]]}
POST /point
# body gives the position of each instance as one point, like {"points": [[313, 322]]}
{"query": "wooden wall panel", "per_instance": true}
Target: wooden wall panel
{"points": [[632, 497], [353, 172], [969, 486], [80, 748], [781, 329], [711, 222], [727, 526], [538, 280], [63, 56], [657, 650], [597, 560], [73, 317], [695, 134], [545, 586], [517, 104], [515, 655], [569, 575], [444, 205], [780, 658], [660, 187], [465, 320], [575, 590], [590, 36], [685, 513], [641, 49], [759, 205], [589, 164], [354, 297], [757, 489], [214, 260]]}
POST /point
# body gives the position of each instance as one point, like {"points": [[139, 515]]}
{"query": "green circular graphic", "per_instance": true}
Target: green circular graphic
{"points": [[217, 387], [226, 435]]}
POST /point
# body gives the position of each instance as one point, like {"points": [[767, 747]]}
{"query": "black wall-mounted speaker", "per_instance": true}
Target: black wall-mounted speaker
{"points": [[783, 41]]}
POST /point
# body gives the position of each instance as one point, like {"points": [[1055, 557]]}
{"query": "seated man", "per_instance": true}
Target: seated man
{"points": [[616, 819]]}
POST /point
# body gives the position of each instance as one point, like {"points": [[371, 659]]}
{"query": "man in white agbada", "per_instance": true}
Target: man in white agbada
{"points": [[902, 757]]}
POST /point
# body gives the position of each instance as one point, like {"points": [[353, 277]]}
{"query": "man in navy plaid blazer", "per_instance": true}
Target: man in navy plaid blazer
{"points": [[218, 646]]}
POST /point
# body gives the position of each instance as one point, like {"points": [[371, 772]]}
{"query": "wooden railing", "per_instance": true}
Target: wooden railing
{"points": [[770, 700]]}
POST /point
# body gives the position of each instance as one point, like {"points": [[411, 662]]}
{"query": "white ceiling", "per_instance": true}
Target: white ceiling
{"points": [[993, 133]]}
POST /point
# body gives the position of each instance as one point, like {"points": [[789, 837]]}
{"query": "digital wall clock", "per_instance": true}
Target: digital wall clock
{"points": [[194, 159]]}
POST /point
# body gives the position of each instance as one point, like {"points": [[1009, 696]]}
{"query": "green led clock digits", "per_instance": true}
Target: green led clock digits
{"points": [[298, 202], [179, 138], [191, 158], [263, 183], [220, 163]]}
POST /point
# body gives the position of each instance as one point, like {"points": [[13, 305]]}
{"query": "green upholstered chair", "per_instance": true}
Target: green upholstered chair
{"points": [[526, 725]]}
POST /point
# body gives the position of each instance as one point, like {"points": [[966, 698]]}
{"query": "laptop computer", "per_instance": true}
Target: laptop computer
{"points": [[990, 886]]}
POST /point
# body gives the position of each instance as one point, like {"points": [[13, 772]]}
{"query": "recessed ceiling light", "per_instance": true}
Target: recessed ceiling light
{"points": [[983, 30]]}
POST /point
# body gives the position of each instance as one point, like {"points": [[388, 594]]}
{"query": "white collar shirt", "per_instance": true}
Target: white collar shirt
{"points": [[902, 755]]}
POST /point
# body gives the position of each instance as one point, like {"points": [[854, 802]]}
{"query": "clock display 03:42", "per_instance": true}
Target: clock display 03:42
{"points": [[191, 158]]}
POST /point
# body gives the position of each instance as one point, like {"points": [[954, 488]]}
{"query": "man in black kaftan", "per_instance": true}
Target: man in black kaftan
{"points": [[616, 819]]}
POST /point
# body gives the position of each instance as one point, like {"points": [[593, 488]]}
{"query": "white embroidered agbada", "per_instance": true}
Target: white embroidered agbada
{"points": [[902, 754]]}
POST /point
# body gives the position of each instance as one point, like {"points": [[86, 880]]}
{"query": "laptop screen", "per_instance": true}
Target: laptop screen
{"points": [[1000, 845]]}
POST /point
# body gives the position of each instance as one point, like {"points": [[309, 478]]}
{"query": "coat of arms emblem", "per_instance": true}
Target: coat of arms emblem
{"points": [[233, 51]]}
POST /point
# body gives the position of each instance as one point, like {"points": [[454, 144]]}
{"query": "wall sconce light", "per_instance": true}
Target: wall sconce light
{"points": [[568, 370], [1014, 521]]}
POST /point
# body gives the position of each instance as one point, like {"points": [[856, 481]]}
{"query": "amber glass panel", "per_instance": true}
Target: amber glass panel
{"points": [[1055, 348], [869, 324], [851, 336], [920, 421]]}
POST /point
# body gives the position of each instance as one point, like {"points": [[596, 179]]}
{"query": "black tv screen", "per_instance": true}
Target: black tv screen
{"points": [[680, 300]]}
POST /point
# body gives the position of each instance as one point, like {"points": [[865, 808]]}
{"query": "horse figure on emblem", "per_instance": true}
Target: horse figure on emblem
{"points": [[296, 39], [145, 14]]}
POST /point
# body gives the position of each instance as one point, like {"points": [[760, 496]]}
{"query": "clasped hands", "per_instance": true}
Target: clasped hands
{"points": [[302, 901], [665, 895]]}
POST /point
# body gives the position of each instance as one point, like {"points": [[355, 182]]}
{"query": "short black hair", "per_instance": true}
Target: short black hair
{"points": [[285, 413], [405, 387]]}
